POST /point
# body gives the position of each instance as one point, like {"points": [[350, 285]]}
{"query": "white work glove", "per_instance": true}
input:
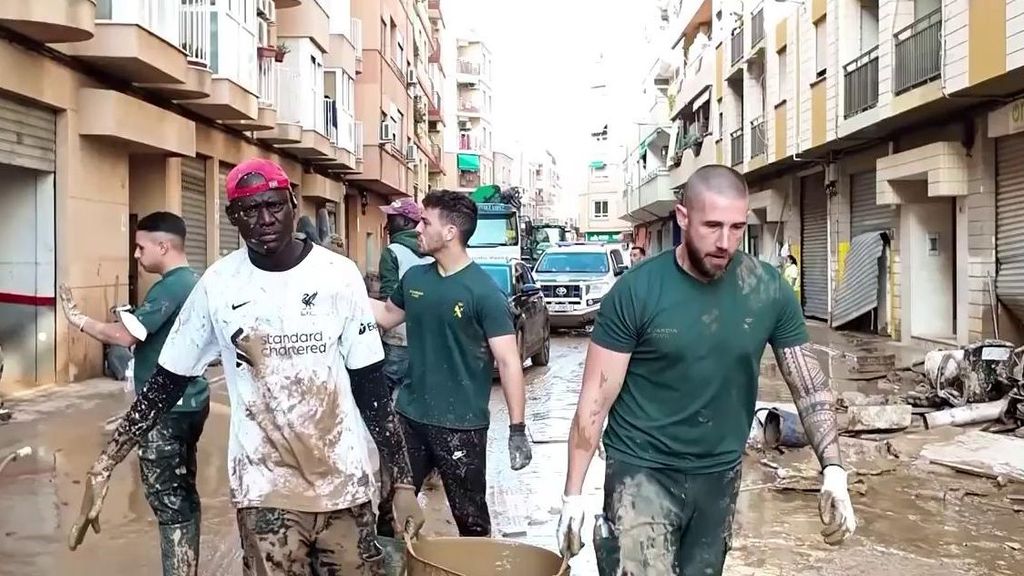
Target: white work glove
{"points": [[835, 507], [570, 526], [71, 310]]}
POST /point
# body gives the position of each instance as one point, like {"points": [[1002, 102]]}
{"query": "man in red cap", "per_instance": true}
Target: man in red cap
{"points": [[292, 324], [401, 254]]}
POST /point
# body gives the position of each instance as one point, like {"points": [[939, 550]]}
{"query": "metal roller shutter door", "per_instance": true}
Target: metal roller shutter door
{"points": [[193, 210], [228, 233], [814, 246], [1010, 222], [866, 215], [28, 136]]}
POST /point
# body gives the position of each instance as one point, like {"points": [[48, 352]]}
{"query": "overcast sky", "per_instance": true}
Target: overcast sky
{"points": [[544, 64]]}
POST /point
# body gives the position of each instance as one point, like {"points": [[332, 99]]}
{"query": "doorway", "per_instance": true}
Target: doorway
{"points": [[929, 268]]}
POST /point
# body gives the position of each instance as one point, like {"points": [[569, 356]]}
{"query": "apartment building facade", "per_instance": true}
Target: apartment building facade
{"points": [[112, 109], [471, 156], [881, 142]]}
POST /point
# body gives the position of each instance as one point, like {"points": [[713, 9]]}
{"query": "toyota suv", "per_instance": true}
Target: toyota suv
{"points": [[574, 277]]}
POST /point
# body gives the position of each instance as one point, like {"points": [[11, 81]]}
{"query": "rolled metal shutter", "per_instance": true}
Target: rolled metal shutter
{"points": [[28, 136], [229, 241], [193, 210], [866, 215], [814, 246], [1010, 223]]}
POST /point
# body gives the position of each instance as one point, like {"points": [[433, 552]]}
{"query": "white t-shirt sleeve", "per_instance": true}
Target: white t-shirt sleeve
{"points": [[360, 342], [192, 343]]}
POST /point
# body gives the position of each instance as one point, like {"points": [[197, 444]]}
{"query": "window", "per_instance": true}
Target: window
{"points": [[495, 230], [385, 45], [721, 125], [820, 48], [348, 88], [600, 208], [783, 74], [569, 262], [500, 274], [617, 258], [400, 130], [399, 54]]}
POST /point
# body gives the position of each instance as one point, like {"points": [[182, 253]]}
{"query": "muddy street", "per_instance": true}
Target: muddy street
{"points": [[914, 518]]}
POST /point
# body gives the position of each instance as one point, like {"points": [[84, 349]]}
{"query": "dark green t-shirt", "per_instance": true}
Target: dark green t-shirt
{"points": [[157, 313], [689, 393], [448, 321]]}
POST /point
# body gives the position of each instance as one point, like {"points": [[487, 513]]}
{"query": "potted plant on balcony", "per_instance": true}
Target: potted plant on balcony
{"points": [[266, 52], [280, 52]]}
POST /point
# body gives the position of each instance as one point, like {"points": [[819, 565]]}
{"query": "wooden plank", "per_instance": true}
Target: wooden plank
{"points": [[982, 454]]}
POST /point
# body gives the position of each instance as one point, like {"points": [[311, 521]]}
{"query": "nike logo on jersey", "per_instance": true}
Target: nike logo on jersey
{"points": [[237, 306]]}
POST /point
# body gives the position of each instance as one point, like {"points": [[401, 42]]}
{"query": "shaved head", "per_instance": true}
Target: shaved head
{"points": [[714, 179], [713, 217]]}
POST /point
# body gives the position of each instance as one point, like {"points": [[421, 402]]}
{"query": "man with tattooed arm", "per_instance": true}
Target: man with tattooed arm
{"points": [[673, 363]]}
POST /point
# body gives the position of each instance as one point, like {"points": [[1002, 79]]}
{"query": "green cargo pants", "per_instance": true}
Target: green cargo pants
{"points": [[666, 522]]}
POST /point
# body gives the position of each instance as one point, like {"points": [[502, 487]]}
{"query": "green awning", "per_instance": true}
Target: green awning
{"points": [[597, 164], [469, 162]]}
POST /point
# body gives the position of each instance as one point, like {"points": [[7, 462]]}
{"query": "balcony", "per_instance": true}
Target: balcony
{"points": [[917, 55], [359, 139], [469, 179], [434, 112], [469, 108], [698, 78], [736, 147], [467, 72], [434, 9], [436, 158], [137, 40], [309, 20], [50, 21], [267, 88], [655, 193], [736, 45], [860, 83], [757, 138], [470, 143], [757, 27]]}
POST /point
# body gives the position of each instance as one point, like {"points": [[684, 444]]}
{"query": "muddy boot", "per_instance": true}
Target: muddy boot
{"points": [[179, 548]]}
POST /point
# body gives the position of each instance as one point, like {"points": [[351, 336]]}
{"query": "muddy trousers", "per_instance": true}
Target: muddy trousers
{"points": [[278, 542], [167, 463], [666, 522], [460, 457]]}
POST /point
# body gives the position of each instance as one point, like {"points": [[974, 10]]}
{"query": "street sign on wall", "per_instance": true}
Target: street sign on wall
{"points": [[602, 236]]}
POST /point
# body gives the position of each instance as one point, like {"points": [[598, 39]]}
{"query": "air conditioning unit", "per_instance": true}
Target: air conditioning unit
{"points": [[412, 153], [387, 133], [410, 76], [465, 125]]}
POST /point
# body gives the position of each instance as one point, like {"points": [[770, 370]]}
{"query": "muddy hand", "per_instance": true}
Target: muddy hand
{"points": [[67, 301], [570, 526], [92, 501], [408, 514], [835, 507], [519, 446]]}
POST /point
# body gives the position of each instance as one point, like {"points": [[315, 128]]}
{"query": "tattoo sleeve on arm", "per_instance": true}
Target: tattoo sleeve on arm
{"points": [[162, 392], [814, 400], [373, 399]]}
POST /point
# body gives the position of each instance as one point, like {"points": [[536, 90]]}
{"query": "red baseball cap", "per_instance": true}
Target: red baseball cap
{"points": [[274, 178], [404, 207]]}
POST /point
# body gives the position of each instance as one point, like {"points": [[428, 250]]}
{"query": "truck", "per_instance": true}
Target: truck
{"points": [[502, 232]]}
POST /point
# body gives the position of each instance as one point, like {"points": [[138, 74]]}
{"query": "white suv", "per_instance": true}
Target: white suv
{"points": [[574, 277]]}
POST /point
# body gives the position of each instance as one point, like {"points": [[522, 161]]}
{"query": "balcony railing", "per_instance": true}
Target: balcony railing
{"points": [[470, 68], [195, 36], [357, 38], [331, 120], [757, 27], [470, 143], [736, 44], [469, 107], [918, 53], [736, 147], [757, 142], [860, 83], [267, 85], [358, 139]]}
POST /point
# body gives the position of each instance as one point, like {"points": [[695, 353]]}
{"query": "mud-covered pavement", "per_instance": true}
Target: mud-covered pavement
{"points": [[915, 519]]}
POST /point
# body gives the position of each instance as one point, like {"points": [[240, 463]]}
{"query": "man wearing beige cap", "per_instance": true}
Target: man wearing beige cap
{"points": [[401, 254]]}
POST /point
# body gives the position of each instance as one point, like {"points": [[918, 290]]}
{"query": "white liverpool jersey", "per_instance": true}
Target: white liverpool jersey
{"points": [[287, 340]]}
